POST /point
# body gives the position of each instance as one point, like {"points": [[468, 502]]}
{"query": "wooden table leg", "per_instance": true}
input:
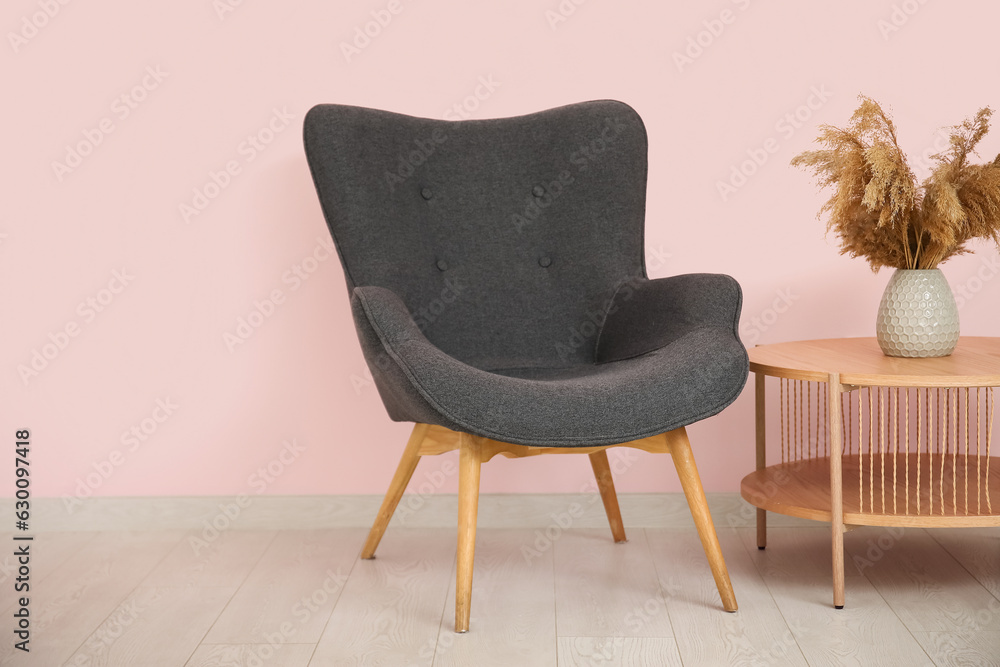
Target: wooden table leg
{"points": [[836, 488], [761, 452]]}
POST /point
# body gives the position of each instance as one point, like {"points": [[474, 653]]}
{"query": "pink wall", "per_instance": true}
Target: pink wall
{"points": [[158, 100]]}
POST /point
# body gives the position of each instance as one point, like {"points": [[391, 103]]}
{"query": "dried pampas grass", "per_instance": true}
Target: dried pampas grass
{"points": [[877, 208]]}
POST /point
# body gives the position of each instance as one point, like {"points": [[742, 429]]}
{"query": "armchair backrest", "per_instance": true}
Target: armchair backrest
{"points": [[505, 238]]}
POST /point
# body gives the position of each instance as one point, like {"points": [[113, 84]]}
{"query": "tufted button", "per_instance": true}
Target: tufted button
{"points": [[426, 193], [544, 261], [442, 265], [538, 191]]}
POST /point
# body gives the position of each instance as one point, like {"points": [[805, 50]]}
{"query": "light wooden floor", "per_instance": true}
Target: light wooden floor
{"points": [[556, 591]]}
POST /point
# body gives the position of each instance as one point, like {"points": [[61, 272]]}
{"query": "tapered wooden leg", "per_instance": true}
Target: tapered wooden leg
{"points": [[469, 465], [836, 489], [606, 484], [404, 471], [761, 427], [680, 450]]}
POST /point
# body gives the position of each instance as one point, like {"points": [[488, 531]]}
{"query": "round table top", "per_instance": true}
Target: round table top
{"points": [[860, 361]]}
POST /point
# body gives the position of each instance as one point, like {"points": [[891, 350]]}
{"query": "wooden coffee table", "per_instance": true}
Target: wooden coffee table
{"points": [[910, 438]]}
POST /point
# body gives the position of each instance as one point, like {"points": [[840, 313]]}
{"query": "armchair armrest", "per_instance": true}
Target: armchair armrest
{"points": [[646, 315], [385, 311], [392, 343]]}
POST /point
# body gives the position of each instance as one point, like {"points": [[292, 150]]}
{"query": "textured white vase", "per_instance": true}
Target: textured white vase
{"points": [[918, 316]]}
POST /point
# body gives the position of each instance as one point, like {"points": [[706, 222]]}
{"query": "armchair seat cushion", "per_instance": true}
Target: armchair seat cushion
{"points": [[690, 377]]}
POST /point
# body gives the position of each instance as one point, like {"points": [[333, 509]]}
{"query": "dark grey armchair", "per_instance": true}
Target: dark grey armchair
{"points": [[497, 281]]}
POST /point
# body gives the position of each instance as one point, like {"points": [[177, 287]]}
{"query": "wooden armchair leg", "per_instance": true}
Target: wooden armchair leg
{"points": [[606, 484], [404, 471], [680, 450], [469, 465]]}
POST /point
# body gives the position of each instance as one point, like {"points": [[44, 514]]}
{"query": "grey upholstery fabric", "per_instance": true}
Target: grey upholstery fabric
{"points": [[497, 278]]}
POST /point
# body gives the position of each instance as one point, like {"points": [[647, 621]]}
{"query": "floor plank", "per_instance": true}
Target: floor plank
{"points": [[961, 649], [226, 561], [865, 632], [705, 633], [295, 585], [390, 610], [48, 552], [605, 589], [69, 604], [134, 632], [512, 620], [801, 551], [923, 584], [618, 652], [278, 654], [73, 600], [977, 549]]}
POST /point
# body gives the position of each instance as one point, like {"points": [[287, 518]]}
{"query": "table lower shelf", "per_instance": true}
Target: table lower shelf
{"points": [[949, 490]]}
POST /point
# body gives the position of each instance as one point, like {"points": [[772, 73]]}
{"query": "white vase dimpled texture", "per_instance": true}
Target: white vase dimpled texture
{"points": [[918, 316]]}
